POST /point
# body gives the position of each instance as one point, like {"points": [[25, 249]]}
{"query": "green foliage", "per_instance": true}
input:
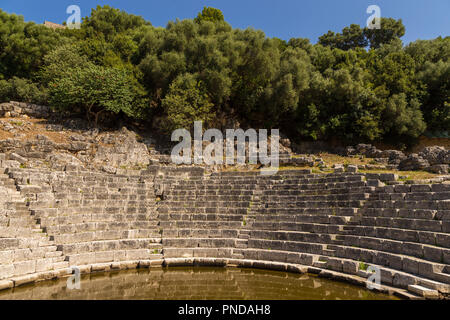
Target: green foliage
{"points": [[355, 37], [351, 37], [23, 46], [363, 266], [23, 90], [60, 62], [96, 90], [355, 85], [187, 102], [433, 78], [403, 118], [390, 29], [209, 14], [108, 23]]}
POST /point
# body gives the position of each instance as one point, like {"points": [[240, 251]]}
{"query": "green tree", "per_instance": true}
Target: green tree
{"points": [[351, 37], [23, 90], [403, 119], [108, 22], [390, 29], [432, 62], [61, 61], [97, 90], [436, 100], [187, 102], [119, 64], [302, 43], [23, 46], [210, 14]]}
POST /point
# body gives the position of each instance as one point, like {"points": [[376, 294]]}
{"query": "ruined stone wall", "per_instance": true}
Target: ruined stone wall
{"points": [[17, 109]]}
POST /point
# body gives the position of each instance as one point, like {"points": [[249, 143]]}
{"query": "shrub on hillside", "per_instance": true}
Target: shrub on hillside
{"points": [[23, 90], [187, 102], [97, 90]]}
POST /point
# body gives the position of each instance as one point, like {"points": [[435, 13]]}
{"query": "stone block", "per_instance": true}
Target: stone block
{"points": [[43, 265], [413, 249], [178, 253], [446, 256], [101, 267], [388, 177], [6, 284], [25, 267], [6, 271], [403, 280], [410, 265], [387, 276], [25, 279], [374, 183], [350, 267], [352, 169], [443, 240], [16, 157], [102, 257]]}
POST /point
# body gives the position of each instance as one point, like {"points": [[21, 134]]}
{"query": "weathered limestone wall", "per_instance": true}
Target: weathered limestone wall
{"points": [[16, 109], [331, 224]]}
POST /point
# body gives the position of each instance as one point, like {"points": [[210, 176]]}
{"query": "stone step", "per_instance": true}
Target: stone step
{"points": [[320, 264], [218, 232], [324, 225], [405, 204], [435, 285], [406, 223], [60, 265], [199, 217], [388, 275], [423, 291], [21, 222], [96, 226], [112, 256], [329, 191], [400, 262], [442, 277], [319, 197], [429, 252], [200, 224], [203, 210]]}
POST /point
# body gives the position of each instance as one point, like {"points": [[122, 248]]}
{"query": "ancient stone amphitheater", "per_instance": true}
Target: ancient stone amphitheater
{"points": [[333, 225]]}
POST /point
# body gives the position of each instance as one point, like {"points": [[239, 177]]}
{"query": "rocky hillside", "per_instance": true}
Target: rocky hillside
{"points": [[34, 136]]}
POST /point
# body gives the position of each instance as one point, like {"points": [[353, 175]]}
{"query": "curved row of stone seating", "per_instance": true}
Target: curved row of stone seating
{"points": [[93, 217]]}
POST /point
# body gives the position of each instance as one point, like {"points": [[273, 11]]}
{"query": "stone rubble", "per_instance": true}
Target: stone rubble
{"points": [[433, 159]]}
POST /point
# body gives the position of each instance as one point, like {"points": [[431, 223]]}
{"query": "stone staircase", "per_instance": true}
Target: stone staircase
{"points": [[93, 218], [24, 248]]}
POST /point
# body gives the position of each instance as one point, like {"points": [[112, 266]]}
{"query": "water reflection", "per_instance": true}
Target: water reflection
{"points": [[194, 283]]}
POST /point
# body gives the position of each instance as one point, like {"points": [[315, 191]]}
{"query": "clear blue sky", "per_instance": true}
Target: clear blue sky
{"points": [[424, 19]]}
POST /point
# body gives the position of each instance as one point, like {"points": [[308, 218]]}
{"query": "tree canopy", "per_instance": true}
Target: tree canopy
{"points": [[354, 85]]}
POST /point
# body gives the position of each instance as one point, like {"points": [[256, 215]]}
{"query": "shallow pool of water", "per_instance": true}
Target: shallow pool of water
{"points": [[195, 283]]}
